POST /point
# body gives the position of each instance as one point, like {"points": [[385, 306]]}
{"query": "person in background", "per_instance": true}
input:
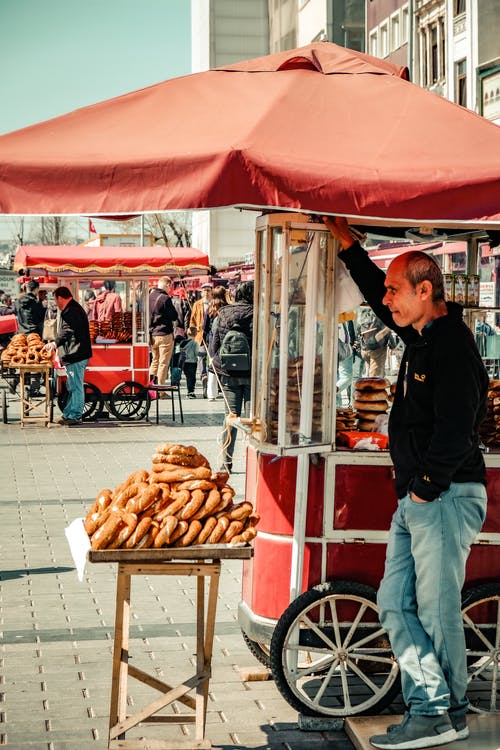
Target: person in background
{"points": [[6, 308], [29, 310], [74, 350], [189, 354], [440, 478], [162, 315], [183, 313], [220, 298], [374, 339], [107, 302], [89, 302], [236, 388], [482, 331], [201, 321], [345, 360]]}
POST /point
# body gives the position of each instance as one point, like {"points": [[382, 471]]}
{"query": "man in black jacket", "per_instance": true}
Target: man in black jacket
{"points": [[162, 314], [235, 386], [74, 349], [29, 310], [439, 404]]}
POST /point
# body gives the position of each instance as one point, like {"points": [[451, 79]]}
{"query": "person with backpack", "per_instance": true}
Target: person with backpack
{"points": [[188, 360], [230, 351]]}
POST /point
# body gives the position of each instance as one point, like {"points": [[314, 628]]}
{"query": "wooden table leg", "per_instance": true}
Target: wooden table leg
{"points": [[118, 704], [204, 644]]}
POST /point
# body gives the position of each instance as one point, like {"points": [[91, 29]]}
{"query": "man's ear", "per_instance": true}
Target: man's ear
{"points": [[425, 289]]}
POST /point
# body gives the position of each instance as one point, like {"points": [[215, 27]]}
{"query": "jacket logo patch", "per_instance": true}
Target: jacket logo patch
{"points": [[420, 378], [426, 478]]}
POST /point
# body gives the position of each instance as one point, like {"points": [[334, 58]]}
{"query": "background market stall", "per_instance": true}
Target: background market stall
{"points": [[118, 371]]}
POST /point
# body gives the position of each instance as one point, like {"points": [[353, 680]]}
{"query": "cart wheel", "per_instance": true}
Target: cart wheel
{"points": [[329, 654], [481, 616], [258, 649], [4, 407], [129, 400], [94, 401]]}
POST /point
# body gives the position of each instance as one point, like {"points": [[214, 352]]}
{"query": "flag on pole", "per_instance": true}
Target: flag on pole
{"points": [[92, 228]]}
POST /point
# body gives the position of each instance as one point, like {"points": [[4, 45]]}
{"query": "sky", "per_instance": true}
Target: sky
{"points": [[59, 55]]}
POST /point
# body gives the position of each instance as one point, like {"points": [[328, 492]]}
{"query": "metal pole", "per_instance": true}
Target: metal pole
{"points": [[411, 32]]}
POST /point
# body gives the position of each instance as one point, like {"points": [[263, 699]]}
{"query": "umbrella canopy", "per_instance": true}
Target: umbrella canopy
{"points": [[106, 259], [320, 129]]}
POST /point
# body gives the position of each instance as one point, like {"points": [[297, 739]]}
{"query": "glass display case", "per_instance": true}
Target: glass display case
{"points": [[294, 380]]}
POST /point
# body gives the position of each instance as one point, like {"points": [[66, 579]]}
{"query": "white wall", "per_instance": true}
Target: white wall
{"points": [[311, 21]]}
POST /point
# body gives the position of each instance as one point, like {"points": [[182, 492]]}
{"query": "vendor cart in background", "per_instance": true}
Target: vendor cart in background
{"points": [[309, 594], [118, 372]]}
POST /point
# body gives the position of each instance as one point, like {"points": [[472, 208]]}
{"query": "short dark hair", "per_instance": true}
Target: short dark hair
{"points": [[109, 285], [63, 292], [244, 292], [422, 267], [32, 285]]}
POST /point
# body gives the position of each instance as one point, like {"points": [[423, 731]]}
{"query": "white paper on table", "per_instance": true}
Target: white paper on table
{"points": [[79, 545]]}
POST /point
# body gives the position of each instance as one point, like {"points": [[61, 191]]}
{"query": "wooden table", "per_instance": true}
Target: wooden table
{"points": [[203, 562], [35, 409]]}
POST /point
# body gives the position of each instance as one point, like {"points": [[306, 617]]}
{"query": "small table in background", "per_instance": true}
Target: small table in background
{"points": [[35, 409]]}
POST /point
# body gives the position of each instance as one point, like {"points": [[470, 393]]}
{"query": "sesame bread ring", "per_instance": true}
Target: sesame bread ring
{"points": [[179, 531], [91, 523], [371, 384], [370, 395], [171, 460], [140, 530], [122, 498], [220, 478], [182, 450], [368, 416], [193, 506], [196, 484], [208, 526], [166, 531], [221, 527], [146, 498], [240, 511], [178, 501], [147, 540], [32, 357], [188, 538], [372, 406], [130, 521], [106, 533], [234, 528], [245, 536], [46, 355], [181, 474], [17, 359]]}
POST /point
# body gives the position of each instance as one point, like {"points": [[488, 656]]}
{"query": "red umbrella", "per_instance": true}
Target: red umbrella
{"points": [[321, 129]]}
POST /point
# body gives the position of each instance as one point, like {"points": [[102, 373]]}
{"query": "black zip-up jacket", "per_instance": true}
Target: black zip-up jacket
{"points": [[30, 314], [162, 313], [440, 398], [73, 339]]}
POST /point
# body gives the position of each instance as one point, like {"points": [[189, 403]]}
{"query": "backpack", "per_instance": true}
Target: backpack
{"points": [[234, 353]]}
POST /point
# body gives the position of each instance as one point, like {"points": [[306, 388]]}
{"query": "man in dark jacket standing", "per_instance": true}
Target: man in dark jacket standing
{"points": [[162, 314], [236, 387], [29, 310], [74, 349], [439, 404]]}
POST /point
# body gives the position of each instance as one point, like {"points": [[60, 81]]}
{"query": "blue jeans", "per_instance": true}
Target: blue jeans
{"points": [[420, 595], [237, 393], [344, 379], [76, 393]]}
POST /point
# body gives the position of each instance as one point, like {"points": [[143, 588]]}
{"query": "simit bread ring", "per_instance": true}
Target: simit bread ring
{"points": [[179, 500], [180, 529], [130, 522], [106, 533], [245, 536], [166, 531], [143, 500], [220, 528], [240, 511], [193, 506], [196, 484], [234, 528], [140, 530], [17, 359], [208, 526], [171, 460], [122, 498], [190, 535], [182, 450], [181, 474]]}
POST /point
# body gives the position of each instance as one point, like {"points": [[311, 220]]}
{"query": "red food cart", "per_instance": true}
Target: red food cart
{"points": [[309, 594], [118, 370]]}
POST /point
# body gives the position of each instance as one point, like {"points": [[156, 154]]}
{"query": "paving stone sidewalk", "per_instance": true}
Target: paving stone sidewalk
{"points": [[57, 633]]}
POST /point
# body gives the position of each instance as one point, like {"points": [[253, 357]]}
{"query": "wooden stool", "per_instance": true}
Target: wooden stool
{"points": [[207, 564], [170, 390], [35, 409]]}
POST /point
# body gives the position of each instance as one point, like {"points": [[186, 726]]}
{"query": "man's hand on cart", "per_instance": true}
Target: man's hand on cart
{"points": [[339, 228], [50, 346]]}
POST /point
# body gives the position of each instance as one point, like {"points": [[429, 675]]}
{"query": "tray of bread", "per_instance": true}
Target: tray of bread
{"points": [[177, 504]]}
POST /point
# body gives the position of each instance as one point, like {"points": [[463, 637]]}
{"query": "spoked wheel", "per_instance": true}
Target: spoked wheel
{"points": [[129, 400], [329, 654], [481, 616], [94, 401], [258, 649]]}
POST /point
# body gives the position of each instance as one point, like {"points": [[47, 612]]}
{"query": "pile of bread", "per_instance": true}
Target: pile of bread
{"points": [[294, 399], [345, 420], [490, 428], [371, 399], [26, 349], [179, 503]]}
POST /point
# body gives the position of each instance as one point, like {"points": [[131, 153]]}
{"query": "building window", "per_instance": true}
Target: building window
{"points": [[405, 25], [395, 36], [442, 64], [458, 7], [383, 41], [461, 83], [373, 44], [433, 39]]}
